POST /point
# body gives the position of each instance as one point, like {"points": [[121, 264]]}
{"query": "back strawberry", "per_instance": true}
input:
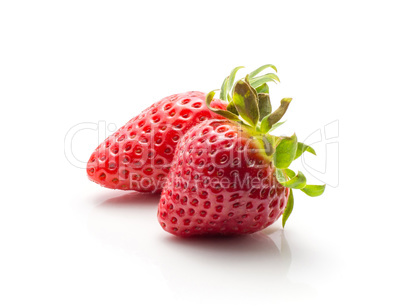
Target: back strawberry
{"points": [[138, 156]]}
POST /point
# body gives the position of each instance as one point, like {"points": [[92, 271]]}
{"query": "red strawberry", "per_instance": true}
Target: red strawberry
{"points": [[231, 176], [138, 156], [220, 183]]}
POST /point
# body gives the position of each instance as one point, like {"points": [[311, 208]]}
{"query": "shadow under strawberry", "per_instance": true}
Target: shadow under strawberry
{"points": [[229, 267], [132, 199]]}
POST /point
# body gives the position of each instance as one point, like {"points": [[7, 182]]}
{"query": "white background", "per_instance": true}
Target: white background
{"points": [[66, 242]]}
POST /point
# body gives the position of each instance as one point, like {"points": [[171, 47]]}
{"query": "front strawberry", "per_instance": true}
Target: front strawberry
{"points": [[231, 176], [221, 183], [139, 155]]}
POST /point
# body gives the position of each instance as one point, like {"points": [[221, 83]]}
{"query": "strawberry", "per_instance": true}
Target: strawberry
{"points": [[231, 176], [138, 156]]}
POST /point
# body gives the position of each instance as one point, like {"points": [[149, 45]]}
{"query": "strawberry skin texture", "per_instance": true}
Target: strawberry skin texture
{"points": [[138, 156], [204, 194]]}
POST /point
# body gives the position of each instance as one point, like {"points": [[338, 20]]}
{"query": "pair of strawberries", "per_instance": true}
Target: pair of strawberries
{"points": [[219, 168]]}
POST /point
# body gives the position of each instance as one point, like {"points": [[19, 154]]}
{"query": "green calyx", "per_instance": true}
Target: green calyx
{"points": [[249, 104]]}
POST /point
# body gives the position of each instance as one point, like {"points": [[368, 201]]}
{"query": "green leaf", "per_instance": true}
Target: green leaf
{"points": [[285, 152], [288, 208], [313, 190], [269, 149], [301, 148], [257, 81], [280, 175], [276, 125], [290, 173], [264, 105], [260, 69], [232, 78], [297, 182], [245, 101], [263, 88], [264, 126], [224, 87], [271, 75], [247, 79], [224, 113], [274, 140], [278, 113], [232, 108]]}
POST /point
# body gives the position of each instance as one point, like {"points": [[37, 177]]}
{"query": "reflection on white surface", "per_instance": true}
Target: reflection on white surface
{"points": [[255, 265]]}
